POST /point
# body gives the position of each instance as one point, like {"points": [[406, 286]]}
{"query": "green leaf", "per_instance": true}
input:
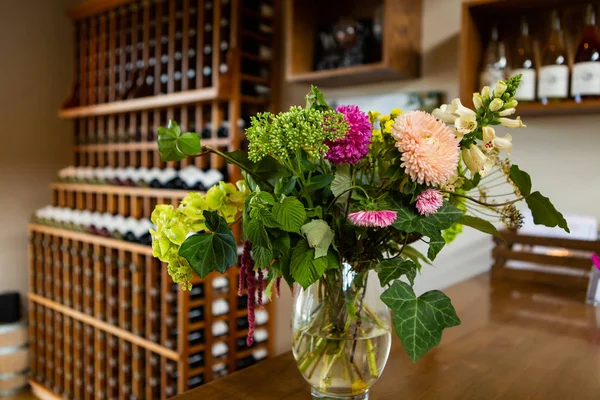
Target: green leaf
{"points": [[392, 269], [544, 213], [315, 99], [431, 226], [481, 225], [419, 321], [521, 179], [265, 197], [415, 256], [262, 256], [304, 268], [257, 234], [341, 183], [281, 242], [436, 244], [290, 214], [189, 144], [319, 182], [265, 173], [206, 252], [319, 236], [285, 185]]}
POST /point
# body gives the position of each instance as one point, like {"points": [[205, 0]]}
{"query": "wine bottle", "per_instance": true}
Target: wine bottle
{"points": [[494, 64], [206, 132], [220, 307], [196, 315], [553, 80], [196, 360], [585, 80], [220, 285], [195, 381], [524, 63], [220, 328]]}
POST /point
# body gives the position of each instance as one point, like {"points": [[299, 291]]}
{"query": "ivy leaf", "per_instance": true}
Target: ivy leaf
{"points": [[341, 183], [521, 179], [319, 182], [257, 234], [544, 213], [481, 225], [213, 250], [319, 236], [304, 268], [419, 321], [436, 244], [392, 269], [262, 256], [290, 214]]}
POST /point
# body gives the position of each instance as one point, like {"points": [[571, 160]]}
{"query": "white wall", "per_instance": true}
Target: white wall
{"points": [[561, 153], [36, 40]]}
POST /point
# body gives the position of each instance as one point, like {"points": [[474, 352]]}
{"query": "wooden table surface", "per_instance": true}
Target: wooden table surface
{"points": [[516, 341]]}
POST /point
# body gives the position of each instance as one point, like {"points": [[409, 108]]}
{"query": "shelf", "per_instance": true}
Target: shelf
{"points": [[246, 353], [254, 57], [89, 8], [257, 36], [400, 47], [167, 100], [559, 108], [42, 392], [254, 100], [122, 190], [356, 75], [257, 79], [106, 327], [254, 14], [93, 239], [142, 146]]}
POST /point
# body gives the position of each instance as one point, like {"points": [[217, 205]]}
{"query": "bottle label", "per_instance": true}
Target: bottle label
{"points": [[526, 91], [553, 82], [586, 78], [490, 76]]}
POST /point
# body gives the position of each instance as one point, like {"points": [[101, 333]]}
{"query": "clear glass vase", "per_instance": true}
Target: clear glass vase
{"points": [[341, 333]]}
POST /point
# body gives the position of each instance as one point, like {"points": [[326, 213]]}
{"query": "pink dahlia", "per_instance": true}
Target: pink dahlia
{"points": [[373, 219], [429, 147], [355, 144], [429, 202]]}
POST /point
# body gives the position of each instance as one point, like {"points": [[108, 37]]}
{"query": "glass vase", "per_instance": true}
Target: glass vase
{"points": [[341, 333]]}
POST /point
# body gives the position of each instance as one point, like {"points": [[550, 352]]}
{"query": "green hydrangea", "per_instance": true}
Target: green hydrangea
{"points": [[285, 134]]}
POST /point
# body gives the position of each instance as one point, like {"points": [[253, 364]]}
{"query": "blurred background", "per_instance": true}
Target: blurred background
{"points": [[85, 84]]}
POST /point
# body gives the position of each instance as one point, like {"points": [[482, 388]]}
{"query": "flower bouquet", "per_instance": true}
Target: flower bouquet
{"points": [[333, 201]]}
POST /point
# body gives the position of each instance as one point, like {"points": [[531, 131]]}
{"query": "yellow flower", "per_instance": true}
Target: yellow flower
{"points": [[376, 136], [388, 126], [395, 112], [373, 116]]}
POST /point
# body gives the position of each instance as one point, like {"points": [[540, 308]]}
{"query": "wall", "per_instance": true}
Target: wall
{"points": [[560, 153], [36, 41]]}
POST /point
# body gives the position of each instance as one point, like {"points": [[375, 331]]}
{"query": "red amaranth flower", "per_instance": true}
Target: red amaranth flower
{"points": [[246, 259], [250, 284], [260, 289], [277, 287]]}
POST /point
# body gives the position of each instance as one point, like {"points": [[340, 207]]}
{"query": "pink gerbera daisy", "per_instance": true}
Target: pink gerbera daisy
{"points": [[373, 219], [355, 144], [429, 147], [429, 202]]}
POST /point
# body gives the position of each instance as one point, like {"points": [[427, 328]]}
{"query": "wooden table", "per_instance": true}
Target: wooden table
{"points": [[517, 341]]}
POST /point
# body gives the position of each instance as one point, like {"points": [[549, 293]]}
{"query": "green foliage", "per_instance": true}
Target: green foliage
{"points": [[266, 173], [316, 100], [262, 256], [256, 233], [211, 251], [415, 256], [284, 135], [512, 84], [304, 268], [544, 213], [481, 225], [341, 183], [521, 179], [289, 214], [173, 146], [419, 321], [392, 269], [319, 236], [320, 182]]}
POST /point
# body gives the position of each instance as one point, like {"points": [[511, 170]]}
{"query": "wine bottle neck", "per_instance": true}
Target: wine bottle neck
{"points": [[590, 15], [555, 21], [524, 27], [494, 33]]}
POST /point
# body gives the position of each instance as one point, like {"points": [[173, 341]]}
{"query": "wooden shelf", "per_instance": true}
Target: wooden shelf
{"points": [[356, 75], [142, 146], [559, 108], [251, 350], [122, 190], [104, 326], [258, 15], [167, 100], [257, 79], [257, 36], [400, 47], [254, 100], [42, 392], [89, 8], [93, 239]]}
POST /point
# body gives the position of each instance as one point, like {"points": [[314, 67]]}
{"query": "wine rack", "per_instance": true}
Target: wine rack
{"points": [[106, 321]]}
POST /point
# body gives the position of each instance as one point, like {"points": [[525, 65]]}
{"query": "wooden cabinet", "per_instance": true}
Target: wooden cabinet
{"points": [[400, 48]]}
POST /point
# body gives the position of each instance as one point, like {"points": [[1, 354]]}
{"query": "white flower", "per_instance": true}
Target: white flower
{"points": [[464, 126], [512, 123], [474, 159], [507, 112], [477, 101], [455, 107], [444, 115], [499, 89], [485, 92], [491, 141], [496, 104]]}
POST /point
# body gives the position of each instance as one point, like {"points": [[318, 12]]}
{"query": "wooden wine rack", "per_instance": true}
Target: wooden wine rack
{"points": [[106, 321]]}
